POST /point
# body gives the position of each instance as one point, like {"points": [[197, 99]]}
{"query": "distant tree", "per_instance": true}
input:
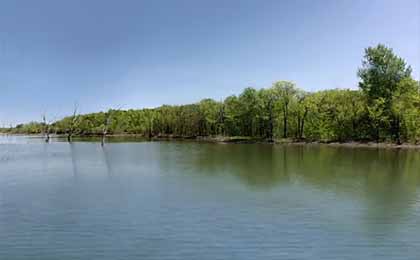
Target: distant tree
{"points": [[286, 92], [268, 99], [380, 75], [221, 117], [74, 120], [149, 118], [301, 111], [232, 116], [378, 116], [248, 109], [46, 128], [405, 103], [107, 122], [209, 113], [381, 72], [109, 116], [385, 107]]}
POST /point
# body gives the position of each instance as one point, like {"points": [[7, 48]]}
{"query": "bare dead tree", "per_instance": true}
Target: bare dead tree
{"points": [[46, 128], [74, 121], [106, 125], [107, 122], [10, 129]]}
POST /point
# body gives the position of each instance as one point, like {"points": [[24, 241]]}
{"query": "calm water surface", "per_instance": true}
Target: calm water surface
{"points": [[181, 200]]}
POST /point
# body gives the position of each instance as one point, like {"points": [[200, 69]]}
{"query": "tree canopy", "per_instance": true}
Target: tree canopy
{"points": [[386, 107]]}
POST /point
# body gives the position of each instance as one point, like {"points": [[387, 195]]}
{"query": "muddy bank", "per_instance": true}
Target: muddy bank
{"points": [[227, 139]]}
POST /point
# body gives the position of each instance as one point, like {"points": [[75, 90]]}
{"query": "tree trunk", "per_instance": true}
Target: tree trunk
{"points": [[271, 123], [297, 136], [398, 130], [302, 125], [46, 129], [285, 112]]}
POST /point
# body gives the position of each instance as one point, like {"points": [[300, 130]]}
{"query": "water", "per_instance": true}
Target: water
{"points": [[186, 200]]}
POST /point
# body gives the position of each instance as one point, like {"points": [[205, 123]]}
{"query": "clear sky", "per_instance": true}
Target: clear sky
{"points": [[146, 53]]}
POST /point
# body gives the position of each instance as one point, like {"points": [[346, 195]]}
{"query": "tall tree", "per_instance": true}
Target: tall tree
{"points": [[302, 109], [380, 75], [232, 116], [107, 122], [248, 101], [381, 72], [46, 129], [405, 103], [286, 92], [74, 121], [268, 99]]}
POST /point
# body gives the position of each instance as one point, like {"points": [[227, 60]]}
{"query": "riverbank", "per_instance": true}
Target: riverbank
{"points": [[373, 145], [350, 144], [229, 139]]}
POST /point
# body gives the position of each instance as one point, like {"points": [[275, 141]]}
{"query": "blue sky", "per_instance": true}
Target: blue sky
{"points": [[136, 54]]}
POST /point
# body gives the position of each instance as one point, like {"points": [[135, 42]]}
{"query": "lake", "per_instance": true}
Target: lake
{"points": [[190, 200]]}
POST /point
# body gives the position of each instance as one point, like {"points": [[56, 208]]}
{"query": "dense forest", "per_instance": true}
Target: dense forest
{"points": [[385, 108]]}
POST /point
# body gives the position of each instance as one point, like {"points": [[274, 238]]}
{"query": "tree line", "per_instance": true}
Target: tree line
{"points": [[385, 108]]}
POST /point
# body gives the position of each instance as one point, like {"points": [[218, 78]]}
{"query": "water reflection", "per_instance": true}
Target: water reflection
{"points": [[380, 176], [385, 180], [266, 166], [150, 198], [341, 169], [74, 161], [107, 160]]}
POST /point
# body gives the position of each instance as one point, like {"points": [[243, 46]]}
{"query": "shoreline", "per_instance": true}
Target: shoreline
{"points": [[291, 142], [237, 140]]}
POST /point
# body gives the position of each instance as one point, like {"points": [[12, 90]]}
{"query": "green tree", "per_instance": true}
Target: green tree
{"points": [[248, 105], [380, 75], [381, 72], [268, 100], [378, 116], [286, 92], [232, 116], [301, 112], [405, 108]]}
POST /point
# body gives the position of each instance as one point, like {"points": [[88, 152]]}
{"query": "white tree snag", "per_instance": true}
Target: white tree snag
{"points": [[73, 124], [46, 128]]}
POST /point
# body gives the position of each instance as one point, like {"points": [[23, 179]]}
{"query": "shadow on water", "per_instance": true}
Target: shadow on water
{"points": [[101, 157], [74, 161], [45, 157], [391, 188], [343, 170], [385, 180], [382, 174], [158, 197], [255, 165], [107, 161]]}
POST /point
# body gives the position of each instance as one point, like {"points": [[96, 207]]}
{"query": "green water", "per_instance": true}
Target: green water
{"points": [[186, 200]]}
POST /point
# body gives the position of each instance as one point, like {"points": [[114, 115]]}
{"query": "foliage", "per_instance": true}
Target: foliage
{"points": [[386, 107]]}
